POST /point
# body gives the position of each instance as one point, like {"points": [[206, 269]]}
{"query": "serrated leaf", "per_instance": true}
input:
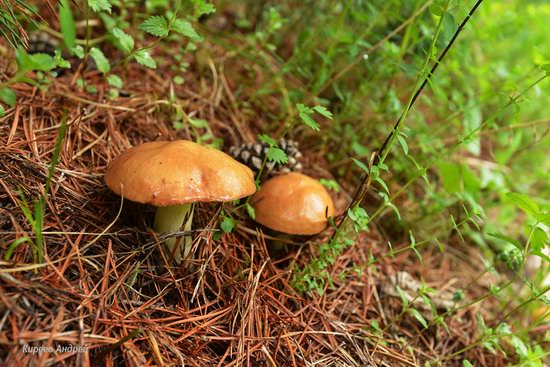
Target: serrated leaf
{"points": [[66, 23], [144, 58], [126, 41], [276, 155], [204, 9], [227, 225], [306, 119], [268, 140], [198, 123], [524, 202], [323, 111], [100, 5], [115, 81], [330, 184], [100, 60], [184, 27], [361, 165], [155, 25], [8, 96]]}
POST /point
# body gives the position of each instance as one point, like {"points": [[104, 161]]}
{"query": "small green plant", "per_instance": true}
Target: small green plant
{"points": [[35, 216], [41, 65], [315, 275]]}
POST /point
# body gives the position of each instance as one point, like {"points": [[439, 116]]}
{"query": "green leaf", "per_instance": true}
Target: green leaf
{"points": [[56, 152], [66, 23], [204, 8], [268, 140], [126, 41], [403, 144], [330, 184], [144, 58], [100, 5], [14, 245], [543, 218], [2, 111], [277, 155], [451, 177], [539, 239], [466, 363], [541, 254], [383, 184], [22, 60], [519, 345], [100, 60], [115, 81], [418, 317], [227, 225], [78, 51], [361, 165], [155, 25], [306, 119], [184, 27], [250, 210], [41, 62], [436, 10], [524, 202], [323, 111], [198, 123], [403, 295], [8, 96], [506, 239], [449, 25]]}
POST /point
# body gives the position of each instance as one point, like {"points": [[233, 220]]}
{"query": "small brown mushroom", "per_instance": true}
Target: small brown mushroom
{"points": [[294, 204], [174, 175]]}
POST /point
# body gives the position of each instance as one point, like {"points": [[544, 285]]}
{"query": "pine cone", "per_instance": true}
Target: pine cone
{"points": [[42, 42], [253, 154]]}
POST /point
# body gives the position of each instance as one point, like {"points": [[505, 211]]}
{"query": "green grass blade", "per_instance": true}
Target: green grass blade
{"points": [[14, 245], [66, 21]]}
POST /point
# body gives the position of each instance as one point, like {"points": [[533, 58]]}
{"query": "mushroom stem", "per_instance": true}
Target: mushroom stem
{"points": [[171, 219]]}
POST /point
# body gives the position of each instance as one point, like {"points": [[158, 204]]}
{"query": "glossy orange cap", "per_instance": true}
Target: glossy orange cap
{"points": [[166, 173], [293, 203]]}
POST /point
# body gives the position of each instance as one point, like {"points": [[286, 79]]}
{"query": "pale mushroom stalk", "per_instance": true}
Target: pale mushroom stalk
{"points": [[171, 219]]}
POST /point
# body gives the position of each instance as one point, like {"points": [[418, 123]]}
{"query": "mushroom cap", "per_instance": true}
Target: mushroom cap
{"points": [[165, 173], [293, 203]]}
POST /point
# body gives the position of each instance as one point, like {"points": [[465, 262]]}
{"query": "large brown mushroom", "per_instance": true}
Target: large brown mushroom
{"points": [[174, 175], [294, 204]]}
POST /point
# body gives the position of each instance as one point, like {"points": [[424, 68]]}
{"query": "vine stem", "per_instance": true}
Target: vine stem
{"points": [[380, 155]]}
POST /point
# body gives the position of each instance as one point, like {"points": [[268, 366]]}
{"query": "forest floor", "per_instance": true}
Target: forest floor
{"points": [[101, 284]]}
